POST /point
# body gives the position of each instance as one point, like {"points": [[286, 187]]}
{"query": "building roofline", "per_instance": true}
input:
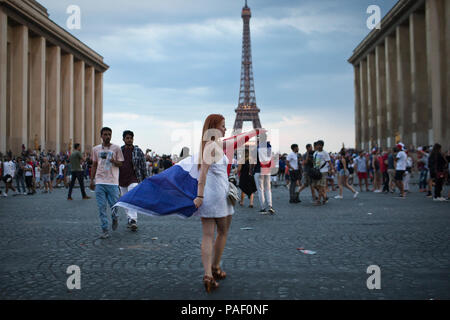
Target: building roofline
{"points": [[396, 16], [35, 16]]}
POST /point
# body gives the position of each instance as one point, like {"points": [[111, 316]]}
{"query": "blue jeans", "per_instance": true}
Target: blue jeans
{"points": [[20, 180], [104, 194], [423, 179]]}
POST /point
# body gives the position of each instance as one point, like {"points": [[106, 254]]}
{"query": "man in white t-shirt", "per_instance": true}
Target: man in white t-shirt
{"points": [[9, 169], [294, 173], [106, 160], [400, 168], [322, 161], [60, 177]]}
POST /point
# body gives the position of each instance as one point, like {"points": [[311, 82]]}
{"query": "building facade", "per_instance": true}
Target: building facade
{"points": [[51, 84], [402, 77]]}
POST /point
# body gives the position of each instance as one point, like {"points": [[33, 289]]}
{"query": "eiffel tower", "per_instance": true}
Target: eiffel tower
{"points": [[247, 109]]}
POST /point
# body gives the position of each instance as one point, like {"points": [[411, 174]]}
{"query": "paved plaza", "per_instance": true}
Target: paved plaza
{"points": [[42, 235]]}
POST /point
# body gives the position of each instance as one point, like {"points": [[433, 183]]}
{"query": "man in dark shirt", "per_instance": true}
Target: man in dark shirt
{"points": [[307, 165], [133, 171], [77, 172]]}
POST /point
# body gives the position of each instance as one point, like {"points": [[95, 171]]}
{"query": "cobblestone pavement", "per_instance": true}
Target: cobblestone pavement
{"points": [[42, 235]]}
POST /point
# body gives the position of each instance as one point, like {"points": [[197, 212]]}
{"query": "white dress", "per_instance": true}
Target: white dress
{"points": [[215, 201]]}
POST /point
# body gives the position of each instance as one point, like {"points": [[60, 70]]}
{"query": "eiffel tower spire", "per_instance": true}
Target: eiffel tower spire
{"points": [[247, 109]]}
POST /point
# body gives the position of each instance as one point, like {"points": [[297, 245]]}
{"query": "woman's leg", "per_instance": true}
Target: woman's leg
{"points": [[208, 226], [341, 187], [251, 199], [242, 198], [347, 185], [223, 225]]}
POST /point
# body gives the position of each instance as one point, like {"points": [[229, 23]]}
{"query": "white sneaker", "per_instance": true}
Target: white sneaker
{"points": [[377, 191], [339, 197], [24, 193], [355, 195], [4, 194]]}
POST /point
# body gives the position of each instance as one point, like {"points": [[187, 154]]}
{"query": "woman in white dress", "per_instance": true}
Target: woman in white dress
{"points": [[212, 201]]}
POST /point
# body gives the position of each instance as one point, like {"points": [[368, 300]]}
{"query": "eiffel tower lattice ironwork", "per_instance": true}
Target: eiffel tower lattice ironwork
{"points": [[247, 109]]}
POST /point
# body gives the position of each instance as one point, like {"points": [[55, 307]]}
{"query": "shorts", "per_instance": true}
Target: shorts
{"points": [[306, 181], [343, 172], [60, 177], [399, 175], [322, 182], [362, 175], [45, 178], [38, 179], [7, 179]]}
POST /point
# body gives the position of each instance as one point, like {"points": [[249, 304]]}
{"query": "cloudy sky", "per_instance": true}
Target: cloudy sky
{"points": [[173, 62]]}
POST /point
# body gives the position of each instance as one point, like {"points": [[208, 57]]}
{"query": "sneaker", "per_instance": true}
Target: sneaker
{"points": [[355, 195], [133, 225], [69, 198], [377, 191], [271, 210], [24, 193], [440, 199], [262, 211], [86, 197], [115, 223], [339, 197], [105, 235], [4, 194]]}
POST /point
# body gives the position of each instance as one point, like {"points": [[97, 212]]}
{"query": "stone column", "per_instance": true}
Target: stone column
{"points": [[89, 108], [19, 98], [364, 114], [404, 83], [391, 90], [98, 106], [380, 65], [357, 107], [53, 98], [419, 80], [436, 12], [79, 78], [37, 91], [3, 78], [372, 99], [67, 102]]}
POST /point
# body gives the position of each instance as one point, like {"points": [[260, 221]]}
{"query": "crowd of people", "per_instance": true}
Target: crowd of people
{"points": [[124, 176]]}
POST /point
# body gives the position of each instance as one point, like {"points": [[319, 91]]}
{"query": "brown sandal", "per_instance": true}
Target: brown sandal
{"points": [[210, 283], [218, 273]]}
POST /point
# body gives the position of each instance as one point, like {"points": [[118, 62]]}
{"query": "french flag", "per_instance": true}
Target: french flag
{"points": [[174, 190]]}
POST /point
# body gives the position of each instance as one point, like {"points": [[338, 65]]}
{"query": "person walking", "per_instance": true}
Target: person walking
{"points": [[20, 179], [45, 171], [343, 176], [292, 162], [132, 172], [307, 166], [438, 167], [9, 170], [77, 172], [376, 168], [322, 162], [28, 171], [261, 172], [246, 180], [422, 165], [361, 165], [391, 169], [400, 168], [106, 158]]}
